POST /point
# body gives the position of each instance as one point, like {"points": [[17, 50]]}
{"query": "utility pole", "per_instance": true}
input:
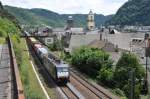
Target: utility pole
{"points": [[132, 84], [147, 54], [130, 46], [132, 80]]}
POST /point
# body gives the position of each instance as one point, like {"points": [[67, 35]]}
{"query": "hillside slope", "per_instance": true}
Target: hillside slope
{"points": [[42, 16], [8, 23], [133, 12], [31, 86]]}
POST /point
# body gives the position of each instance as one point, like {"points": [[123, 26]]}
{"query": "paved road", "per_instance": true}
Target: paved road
{"points": [[5, 76]]}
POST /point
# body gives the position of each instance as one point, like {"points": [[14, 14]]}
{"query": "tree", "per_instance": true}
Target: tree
{"points": [[1, 6], [105, 76], [130, 61], [126, 63], [134, 12], [90, 60], [56, 46]]}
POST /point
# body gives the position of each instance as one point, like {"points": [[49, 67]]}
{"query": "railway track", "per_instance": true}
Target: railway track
{"points": [[68, 92], [89, 90]]}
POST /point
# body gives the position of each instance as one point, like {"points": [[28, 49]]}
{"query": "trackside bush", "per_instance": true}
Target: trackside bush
{"points": [[90, 60], [126, 63], [106, 76]]}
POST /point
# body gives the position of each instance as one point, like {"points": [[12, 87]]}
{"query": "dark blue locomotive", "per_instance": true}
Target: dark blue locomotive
{"points": [[56, 67]]}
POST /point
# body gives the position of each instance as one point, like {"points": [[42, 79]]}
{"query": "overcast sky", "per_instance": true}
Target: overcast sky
{"points": [[105, 7]]}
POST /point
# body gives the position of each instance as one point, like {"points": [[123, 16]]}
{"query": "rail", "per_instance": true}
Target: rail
{"points": [[17, 84], [98, 88], [1, 54]]}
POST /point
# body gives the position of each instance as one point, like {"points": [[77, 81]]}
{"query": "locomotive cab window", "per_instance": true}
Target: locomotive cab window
{"points": [[62, 69]]}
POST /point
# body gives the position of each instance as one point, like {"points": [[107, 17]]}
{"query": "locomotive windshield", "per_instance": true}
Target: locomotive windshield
{"points": [[62, 69]]}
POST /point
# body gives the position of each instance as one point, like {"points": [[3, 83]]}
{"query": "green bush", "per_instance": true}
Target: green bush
{"points": [[126, 63], [90, 60], [118, 92], [56, 46], [17, 48], [51, 47], [7, 26], [2, 33], [127, 90], [106, 76]]}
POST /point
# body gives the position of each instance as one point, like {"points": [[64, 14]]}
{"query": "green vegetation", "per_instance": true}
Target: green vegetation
{"points": [[8, 25], [96, 64], [2, 40], [134, 12], [4, 14], [91, 60], [30, 82], [1, 6], [56, 46], [127, 63], [46, 17]]}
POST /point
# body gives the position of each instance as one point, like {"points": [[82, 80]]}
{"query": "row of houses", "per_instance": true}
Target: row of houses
{"points": [[71, 37]]}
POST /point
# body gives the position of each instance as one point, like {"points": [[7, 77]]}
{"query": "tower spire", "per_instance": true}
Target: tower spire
{"points": [[90, 21]]}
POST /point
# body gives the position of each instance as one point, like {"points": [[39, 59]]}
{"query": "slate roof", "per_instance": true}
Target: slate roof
{"points": [[81, 40]]}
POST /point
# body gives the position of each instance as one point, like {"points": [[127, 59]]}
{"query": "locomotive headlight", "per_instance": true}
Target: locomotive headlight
{"points": [[62, 71], [62, 74]]}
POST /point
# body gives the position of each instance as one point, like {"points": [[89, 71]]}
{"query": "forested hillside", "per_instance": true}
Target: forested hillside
{"points": [[133, 12], [8, 23], [43, 16]]}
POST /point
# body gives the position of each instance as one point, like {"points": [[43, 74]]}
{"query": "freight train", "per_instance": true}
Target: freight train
{"points": [[58, 70]]}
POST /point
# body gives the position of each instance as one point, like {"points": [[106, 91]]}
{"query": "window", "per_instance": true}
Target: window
{"points": [[49, 40], [91, 17], [62, 69], [91, 27]]}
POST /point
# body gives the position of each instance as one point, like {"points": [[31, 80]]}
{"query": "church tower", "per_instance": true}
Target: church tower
{"points": [[90, 21], [70, 22]]}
